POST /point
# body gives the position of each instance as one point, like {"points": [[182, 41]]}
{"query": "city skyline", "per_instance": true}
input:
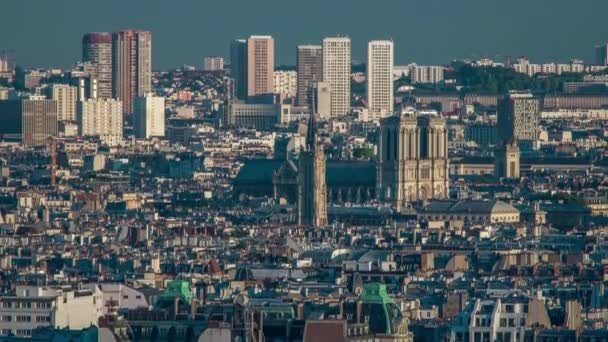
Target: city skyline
{"points": [[264, 171], [541, 36]]}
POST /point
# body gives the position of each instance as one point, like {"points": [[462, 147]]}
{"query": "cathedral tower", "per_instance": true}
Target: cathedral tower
{"points": [[312, 189], [413, 163]]}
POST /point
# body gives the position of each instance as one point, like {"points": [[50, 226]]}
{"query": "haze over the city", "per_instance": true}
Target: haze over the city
{"points": [[46, 33], [303, 171]]}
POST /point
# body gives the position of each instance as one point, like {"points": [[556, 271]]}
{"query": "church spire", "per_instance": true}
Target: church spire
{"points": [[311, 133]]}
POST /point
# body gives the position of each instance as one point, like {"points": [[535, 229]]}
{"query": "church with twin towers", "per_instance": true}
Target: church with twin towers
{"points": [[411, 162]]}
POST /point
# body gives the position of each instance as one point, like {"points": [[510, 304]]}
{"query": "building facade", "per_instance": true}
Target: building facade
{"points": [[131, 65], [149, 116], [286, 82], [413, 161], [97, 50], [322, 93], [426, 74], [101, 117], [312, 188], [518, 118], [601, 54], [483, 134], [380, 79], [506, 161], [310, 71], [39, 121], [336, 72], [66, 97], [9, 57], [260, 65], [238, 67], [34, 307], [213, 63], [247, 115]]}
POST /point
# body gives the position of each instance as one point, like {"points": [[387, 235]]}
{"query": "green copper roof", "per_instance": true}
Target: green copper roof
{"points": [[375, 293], [380, 309], [177, 288]]}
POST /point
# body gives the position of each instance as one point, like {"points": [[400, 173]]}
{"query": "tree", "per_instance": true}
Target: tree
{"points": [[363, 153]]}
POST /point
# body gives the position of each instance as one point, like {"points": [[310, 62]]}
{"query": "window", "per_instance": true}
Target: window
{"points": [[44, 305], [6, 332], [509, 308], [43, 319], [24, 318], [23, 332], [125, 297], [6, 318], [511, 322], [503, 322], [138, 297]]}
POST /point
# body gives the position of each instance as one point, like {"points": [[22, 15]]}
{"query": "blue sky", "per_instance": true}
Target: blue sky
{"points": [[48, 32]]}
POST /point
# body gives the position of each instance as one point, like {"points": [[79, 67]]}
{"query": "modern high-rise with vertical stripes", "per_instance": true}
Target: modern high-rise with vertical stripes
{"points": [[380, 79], [336, 72], [238, 67], [131, 65], [97, 50], [260, 65], [39, 121], [310, 71]]}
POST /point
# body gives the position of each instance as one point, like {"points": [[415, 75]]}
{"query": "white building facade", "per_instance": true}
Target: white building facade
{"points": [[149, 116], [37, 306], [336, 72], [103, 118], [426, 74], [286, 82], [66, 97], [213, 63], [380, 78]]}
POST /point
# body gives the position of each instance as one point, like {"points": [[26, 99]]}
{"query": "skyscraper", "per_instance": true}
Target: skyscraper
{"points": [[10, 59], [260, 65], [149, 116], [131, 65], [238, 67], [97, 50], [310, 71], [601, 54], [413, 163], [518, 118], [380, 78], [312, 189], [39, 121], [66, 97], [336, 71]]}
